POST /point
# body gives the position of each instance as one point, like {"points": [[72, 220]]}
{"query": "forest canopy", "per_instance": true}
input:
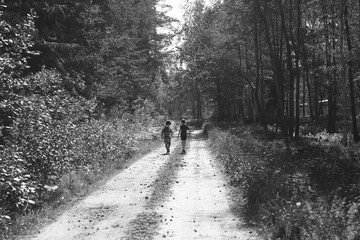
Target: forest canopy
{"points": [[273, 62]]}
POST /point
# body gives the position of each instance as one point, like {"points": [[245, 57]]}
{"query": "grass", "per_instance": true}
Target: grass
{"points": [[310, 193]]}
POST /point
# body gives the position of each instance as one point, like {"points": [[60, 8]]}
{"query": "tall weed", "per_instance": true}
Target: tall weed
{"points": [[311, 193], [317, 219]]}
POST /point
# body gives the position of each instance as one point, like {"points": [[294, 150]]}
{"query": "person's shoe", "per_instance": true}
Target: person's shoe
{"points": [[183, 151]]}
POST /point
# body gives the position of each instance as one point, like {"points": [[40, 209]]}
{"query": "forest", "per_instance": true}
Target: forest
{"points": [[283, 62], [84, 83], [290, 65], [80, 88]]}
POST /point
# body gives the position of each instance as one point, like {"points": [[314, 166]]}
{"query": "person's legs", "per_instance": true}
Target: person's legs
{"points": [[183, 143], [167, 145]]}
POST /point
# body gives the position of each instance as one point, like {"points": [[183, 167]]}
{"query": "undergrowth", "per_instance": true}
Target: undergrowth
{"points": [[49, 162], [98, 153], [311, 192]]}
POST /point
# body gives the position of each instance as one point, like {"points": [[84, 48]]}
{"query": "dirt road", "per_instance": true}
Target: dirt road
{"points": [[159, 197]]}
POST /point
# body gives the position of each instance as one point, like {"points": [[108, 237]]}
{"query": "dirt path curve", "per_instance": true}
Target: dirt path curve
{"points": [[159, 197]]}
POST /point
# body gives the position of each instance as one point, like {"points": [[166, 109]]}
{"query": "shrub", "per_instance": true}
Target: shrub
{"points": [[62, 164], [52, 145], [109, 141], [49, 142], [317, 219], [18, 190], [311, 193], [250, 164]]}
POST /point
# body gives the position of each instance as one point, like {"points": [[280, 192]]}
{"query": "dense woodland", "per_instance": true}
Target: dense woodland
{"points": [[293, 64], [83, 81], [80, 83], [285, 62]]}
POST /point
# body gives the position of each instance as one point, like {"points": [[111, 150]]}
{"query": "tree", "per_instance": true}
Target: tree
{"points": [[350, 74], [277, 57]]}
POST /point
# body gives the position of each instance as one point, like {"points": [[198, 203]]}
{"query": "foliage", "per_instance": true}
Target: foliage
{"points": [[274, 62], [37, 172], [312, 219], [15, 43], [36, 141], [310, 194], [69, 73], [52, 135], [113, 47]]}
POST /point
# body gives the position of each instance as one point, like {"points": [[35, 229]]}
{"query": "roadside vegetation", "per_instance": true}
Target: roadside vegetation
{"points": [[309, 192], [292, 70], [51, 163], [79, 98], [84, 83]]}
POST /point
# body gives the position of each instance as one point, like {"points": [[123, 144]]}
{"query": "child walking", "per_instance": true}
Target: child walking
{"points": [[166, 134], [183, 134]]}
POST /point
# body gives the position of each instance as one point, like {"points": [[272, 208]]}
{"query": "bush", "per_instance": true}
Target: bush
{"points": [[109, 141], [60, 165], [317, 219], [250, 164], [309, 193], [53, 146], [50, 143]]}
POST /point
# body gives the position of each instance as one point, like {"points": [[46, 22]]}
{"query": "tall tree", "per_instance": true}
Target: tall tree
{"points": [[350, 73]]}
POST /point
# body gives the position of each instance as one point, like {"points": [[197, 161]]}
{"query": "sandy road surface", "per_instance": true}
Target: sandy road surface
{"points": [[159, 197], [199, 205]]}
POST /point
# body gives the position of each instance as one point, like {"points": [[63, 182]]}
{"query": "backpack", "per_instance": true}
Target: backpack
{"points": [[166, 132]]}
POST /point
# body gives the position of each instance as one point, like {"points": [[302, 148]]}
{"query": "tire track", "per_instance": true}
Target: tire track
{"points": [[107, 213], [146, 223]]}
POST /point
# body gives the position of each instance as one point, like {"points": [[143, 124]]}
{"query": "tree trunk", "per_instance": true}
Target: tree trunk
{"points": [[305, 76], [219, 99], [290, 67], [276, 65], [316, 100], [311, 110], [350, 75], [333, 87], [343, 79], [298, 71], [199, 106], [258, 85]]}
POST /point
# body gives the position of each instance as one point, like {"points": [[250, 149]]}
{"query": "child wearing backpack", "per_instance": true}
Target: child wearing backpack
{"points": [[166, 134]]}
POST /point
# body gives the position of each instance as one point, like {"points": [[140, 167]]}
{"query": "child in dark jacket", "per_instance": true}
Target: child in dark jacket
{"points": [[166, 134], [183, 134]]}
